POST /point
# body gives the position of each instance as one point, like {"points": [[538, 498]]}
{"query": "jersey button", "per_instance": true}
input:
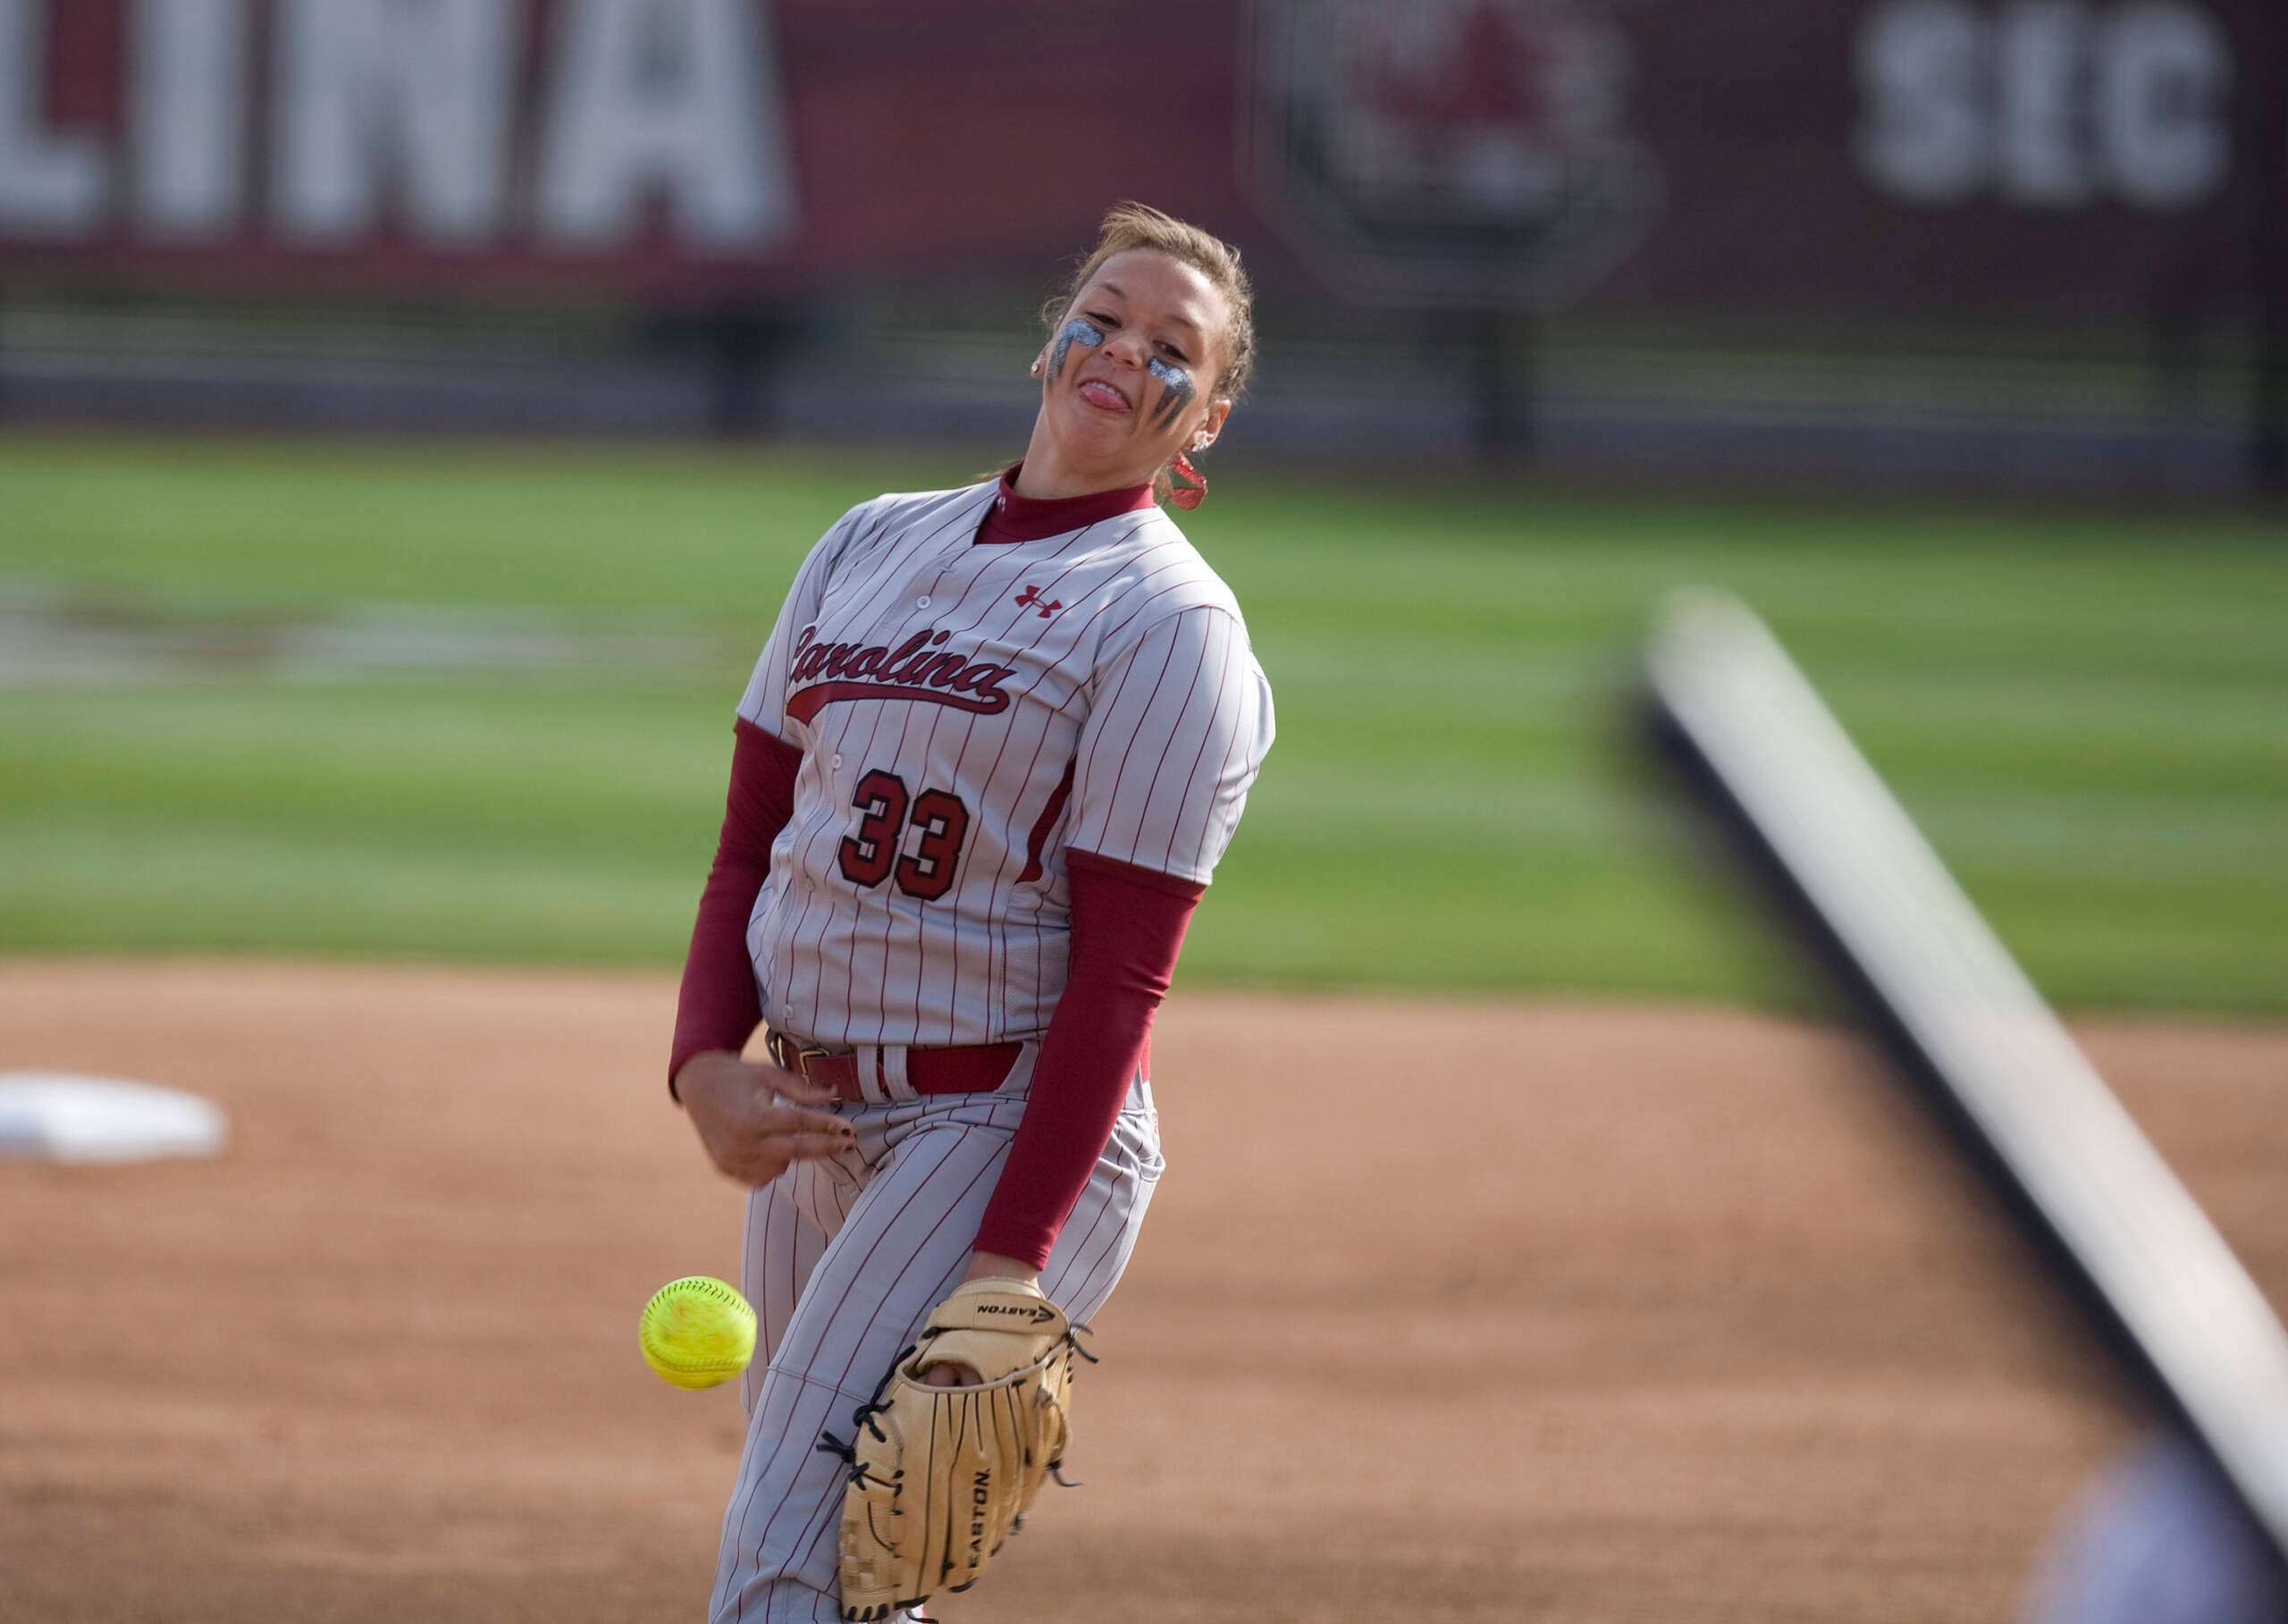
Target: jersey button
{"points": [[922, 602], [838, 760]]}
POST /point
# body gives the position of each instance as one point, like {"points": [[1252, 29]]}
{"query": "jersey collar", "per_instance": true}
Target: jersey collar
{"points": [[1009, 517]]}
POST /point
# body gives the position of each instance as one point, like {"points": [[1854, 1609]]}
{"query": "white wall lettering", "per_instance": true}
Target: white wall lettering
{"points": [[1923, 130], [411, 113], [674, 97], [415, 91], [2045, 104], [2164, 90], [187, 94], [52, 182], [2041, 158]]}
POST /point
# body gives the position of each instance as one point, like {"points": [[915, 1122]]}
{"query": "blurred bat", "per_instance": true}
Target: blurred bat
{"points": [[1725, 707]]}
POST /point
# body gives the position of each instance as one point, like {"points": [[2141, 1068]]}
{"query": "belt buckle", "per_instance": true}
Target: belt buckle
{"points": [[796, 1058]]}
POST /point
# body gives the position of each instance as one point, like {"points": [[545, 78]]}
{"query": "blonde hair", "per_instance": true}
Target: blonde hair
{"points": [[1134, 225]]}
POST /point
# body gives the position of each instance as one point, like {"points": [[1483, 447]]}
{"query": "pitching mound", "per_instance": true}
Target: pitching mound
{"points": [[1444, 1311]]}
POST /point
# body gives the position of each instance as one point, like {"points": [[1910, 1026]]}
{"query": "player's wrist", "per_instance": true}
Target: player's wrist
{"points": [[695, 1070], [999, 1266]]}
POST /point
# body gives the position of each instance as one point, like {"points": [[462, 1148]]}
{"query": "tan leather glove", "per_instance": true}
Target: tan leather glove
{"points": [[940, 1475]]}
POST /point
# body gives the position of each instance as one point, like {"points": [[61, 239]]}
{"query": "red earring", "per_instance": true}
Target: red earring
{"points": [[1194, 492]]}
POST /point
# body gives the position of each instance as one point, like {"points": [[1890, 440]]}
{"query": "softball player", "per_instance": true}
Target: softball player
{"points": [[989, 760]]}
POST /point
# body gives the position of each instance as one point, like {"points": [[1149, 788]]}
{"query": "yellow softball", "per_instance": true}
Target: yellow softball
{"points": [[697, 1331]]}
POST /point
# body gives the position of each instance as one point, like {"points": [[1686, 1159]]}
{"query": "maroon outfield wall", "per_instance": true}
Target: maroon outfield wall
{"points": [[2087, 158]]}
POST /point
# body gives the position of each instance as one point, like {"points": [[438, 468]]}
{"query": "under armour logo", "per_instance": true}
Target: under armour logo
{"points": [[1031, 598]]}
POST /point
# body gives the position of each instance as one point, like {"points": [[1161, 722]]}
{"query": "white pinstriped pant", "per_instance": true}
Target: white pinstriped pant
{"points": [[845, 1258]]}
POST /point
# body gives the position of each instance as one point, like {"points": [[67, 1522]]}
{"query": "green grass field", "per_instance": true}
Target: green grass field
{"points": [[2088, 713]]}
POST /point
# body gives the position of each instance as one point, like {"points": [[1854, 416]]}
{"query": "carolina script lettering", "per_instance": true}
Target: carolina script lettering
{"points": [[818, 674]]}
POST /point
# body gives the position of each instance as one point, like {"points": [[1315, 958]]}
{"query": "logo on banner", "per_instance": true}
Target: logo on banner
{"points": [[1463, 152]]}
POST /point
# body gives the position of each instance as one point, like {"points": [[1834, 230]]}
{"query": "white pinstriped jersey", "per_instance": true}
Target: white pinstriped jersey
{"points": [[967, 713]]}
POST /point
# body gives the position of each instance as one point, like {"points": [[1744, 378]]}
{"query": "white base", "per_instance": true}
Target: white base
{"points": [[54, 1116]]}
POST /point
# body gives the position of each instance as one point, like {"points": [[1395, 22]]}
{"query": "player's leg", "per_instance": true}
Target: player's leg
{"points": [[788, 1221], [902, 1247]]}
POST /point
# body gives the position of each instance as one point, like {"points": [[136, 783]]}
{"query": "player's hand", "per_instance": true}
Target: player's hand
{"points": [[982, 1266], [756, 1120]]}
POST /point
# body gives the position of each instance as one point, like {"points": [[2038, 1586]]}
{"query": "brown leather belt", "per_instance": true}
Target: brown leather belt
{"points": [[975, 1069]]}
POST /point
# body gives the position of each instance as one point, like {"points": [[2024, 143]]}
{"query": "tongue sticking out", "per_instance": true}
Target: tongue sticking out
{"points": [[1102, 394]]}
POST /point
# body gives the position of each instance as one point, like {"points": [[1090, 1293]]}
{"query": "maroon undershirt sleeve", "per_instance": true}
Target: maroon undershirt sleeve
{"points": [[719, 1006], [1128, 925]]}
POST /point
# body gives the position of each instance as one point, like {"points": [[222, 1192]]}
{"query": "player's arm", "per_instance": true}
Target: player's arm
{"points": [[719, 1006], [738, 1108], [741, 1110], [1127, 929], [1127, 926], [1178, 729]]}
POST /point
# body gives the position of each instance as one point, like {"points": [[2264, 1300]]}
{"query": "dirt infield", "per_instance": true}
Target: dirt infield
{"points": [[1443, 1312]]}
